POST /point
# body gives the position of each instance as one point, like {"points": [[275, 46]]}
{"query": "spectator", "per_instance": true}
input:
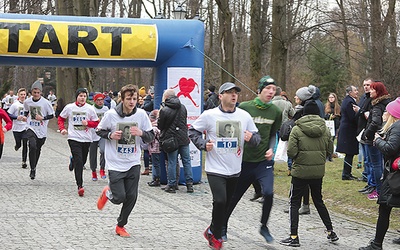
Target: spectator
{"points": [[212, 100], [309, 144], [379, 99], [172, 123], [363, 111], [389, 145], [154, 150], [148, 101], [332, 113], [347, 142]]}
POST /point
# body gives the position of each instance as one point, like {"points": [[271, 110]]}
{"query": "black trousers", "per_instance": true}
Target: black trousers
{"points": [[124, 189], [298, 188], [222, 190], [35, 147], [21, 141], [382, 224], [79, 151]]}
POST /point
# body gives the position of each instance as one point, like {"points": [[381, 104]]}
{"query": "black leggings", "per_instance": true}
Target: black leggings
{"points": [[382, 224]]}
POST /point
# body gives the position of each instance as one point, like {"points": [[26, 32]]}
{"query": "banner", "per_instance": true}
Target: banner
{"points": [[37, 38]]}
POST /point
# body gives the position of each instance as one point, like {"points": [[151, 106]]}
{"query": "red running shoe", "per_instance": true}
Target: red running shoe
{"points": [[81, 191], [101, 202], [212, 241], [102, 174], [121, 231]]}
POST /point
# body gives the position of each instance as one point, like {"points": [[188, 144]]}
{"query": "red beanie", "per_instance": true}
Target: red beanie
{"points": [[99, 95]]}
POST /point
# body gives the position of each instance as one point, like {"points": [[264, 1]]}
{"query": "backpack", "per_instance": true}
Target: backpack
{"points": [[285, 129]]}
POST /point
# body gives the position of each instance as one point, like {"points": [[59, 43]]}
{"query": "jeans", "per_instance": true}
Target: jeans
{"points": [[297, 187], [222, 189], [367, 166], [155, 159], [19, 140], [376, 163], [124, 189], [146, 159], [79, 151], [184, 152]]}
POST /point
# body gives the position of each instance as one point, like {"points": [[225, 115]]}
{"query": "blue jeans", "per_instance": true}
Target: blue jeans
{"points": [[376, 163], [156, 171], [367, 166], [187, 166]]}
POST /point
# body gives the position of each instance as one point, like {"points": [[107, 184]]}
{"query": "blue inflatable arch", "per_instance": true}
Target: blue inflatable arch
{"points": [[173, 47]]}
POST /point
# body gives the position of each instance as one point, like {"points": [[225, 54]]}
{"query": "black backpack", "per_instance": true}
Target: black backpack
{"points": [[285, 129]]}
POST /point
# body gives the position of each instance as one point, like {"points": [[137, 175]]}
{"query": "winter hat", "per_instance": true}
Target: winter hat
{"points": [[37, 85], [311, 108], [305, 93], [99, 95], [396, 163], [265, 81], [142, 91], [211, 88], [80, 90], [394, 108]]}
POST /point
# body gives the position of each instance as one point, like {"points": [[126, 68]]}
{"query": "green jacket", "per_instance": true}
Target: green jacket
{"points": [[310, 142]]}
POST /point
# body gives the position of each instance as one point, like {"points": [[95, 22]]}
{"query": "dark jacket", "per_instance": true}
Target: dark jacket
{"points": [[148, 104], [365, 106], [212, 101], [375, 121], [347, 142], [172, 121], [310, 142], [390, 148]]}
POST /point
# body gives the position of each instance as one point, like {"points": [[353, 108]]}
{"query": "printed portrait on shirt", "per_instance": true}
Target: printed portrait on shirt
{"points": [[100, 115], [35, 110], [228, 136], [77, 118], [127, 137]]}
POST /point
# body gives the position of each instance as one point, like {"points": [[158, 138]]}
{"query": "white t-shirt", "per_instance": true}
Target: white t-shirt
{"points": [[121, 155], [227, 132], [42, 107], [9, 100], [17, 109], [75, 115], [100, 114], [52, 99]]}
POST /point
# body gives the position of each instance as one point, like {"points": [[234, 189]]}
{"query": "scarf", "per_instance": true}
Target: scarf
{"points": [[260, 104]]}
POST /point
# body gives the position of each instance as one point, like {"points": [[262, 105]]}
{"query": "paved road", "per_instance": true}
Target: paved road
{"points": [[46, 213]]}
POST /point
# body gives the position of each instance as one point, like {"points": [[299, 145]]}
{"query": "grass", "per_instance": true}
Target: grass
{"points": [[339, 196]]}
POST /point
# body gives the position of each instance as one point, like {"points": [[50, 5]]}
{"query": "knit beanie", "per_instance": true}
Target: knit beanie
{"points": [[37, 85], [305, 93], [142, 91], [80, 90], [394, 108], [99, 95], [310, 108], [265, 81]]}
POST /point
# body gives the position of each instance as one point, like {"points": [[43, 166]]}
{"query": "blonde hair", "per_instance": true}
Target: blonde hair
{"points": [[388, 124]]}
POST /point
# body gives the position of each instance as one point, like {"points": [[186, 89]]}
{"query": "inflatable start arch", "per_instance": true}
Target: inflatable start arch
{"points": [[173, 47]]}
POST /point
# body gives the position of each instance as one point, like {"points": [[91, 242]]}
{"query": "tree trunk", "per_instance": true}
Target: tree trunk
{"points": [[226, 40], [279, 43], [255, 42]]}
